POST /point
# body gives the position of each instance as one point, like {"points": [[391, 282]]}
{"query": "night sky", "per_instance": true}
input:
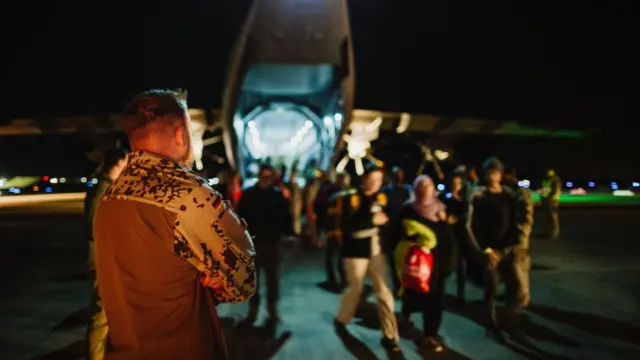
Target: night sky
{"points": [[564, 63]]}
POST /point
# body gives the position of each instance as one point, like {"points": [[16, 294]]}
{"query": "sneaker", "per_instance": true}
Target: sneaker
{"points": [[432, 344], [339, 326], [390, 345]]}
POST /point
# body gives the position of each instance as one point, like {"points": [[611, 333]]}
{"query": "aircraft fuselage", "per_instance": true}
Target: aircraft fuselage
{"points": [[289, 91]]}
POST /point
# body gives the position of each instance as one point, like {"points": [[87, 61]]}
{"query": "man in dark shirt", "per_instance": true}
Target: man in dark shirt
{"points": [[493, 236], [358, 216], [398, 193], [266, 212], [113, 162]]}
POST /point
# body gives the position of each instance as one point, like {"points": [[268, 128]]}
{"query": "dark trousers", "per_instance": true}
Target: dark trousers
{"points": [[268, 262], [333, 261], [390, 242], [513, 270], [461, 275], [430, 304], [461, 261]]}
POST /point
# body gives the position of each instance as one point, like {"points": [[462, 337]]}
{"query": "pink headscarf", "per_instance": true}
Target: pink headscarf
{"points": [[427, 207]]}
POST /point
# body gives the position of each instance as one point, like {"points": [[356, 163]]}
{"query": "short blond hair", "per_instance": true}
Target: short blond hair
{"points": [[154, 110]]}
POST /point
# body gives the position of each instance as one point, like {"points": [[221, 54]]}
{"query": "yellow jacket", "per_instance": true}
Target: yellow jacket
{"points": [[414, 233]]}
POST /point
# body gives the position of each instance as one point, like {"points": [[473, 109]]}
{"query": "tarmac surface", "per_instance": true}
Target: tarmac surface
{"points": [[585, 292]]}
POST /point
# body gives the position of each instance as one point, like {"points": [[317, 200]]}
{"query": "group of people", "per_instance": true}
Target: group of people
{"points": [[165, 248], [486, 228]]}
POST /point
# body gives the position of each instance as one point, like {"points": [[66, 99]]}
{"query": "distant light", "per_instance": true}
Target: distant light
{"points": [[592, 184], [36, 188], [251, 124], [308, 124], [623, 193], [63, 180], [83, 179], [614, 185], [569, 184], [578, 191], [440, 187], [328, 120], [14, 190], [448, 195], [45, 178], [48, 190], [635, 184], [214, 181], [338, 117], [441, 155], [54, 180], [524, 183], [94, 181], [2, 181]]}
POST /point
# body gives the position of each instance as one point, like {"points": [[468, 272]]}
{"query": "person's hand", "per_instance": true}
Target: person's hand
{"points": [[380, 219], [492, 258], [210, 282]]}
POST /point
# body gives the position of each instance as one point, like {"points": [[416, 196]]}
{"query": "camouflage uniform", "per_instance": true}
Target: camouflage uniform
{"points": [[550, 199], [524, 223], [97, 329]]}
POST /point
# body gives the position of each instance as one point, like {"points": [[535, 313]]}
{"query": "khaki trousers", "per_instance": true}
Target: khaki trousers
{"points": [[356, 269], [97, 329]]}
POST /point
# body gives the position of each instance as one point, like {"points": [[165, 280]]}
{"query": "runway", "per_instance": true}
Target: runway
{"points": [[585, 291]]}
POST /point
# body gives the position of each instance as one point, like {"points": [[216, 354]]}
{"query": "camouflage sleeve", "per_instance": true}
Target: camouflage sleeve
{"points": [[525, 213], [210, 236]]}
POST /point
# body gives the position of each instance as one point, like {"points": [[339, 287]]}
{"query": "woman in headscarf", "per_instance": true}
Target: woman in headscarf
{"points": [[423, 223]]}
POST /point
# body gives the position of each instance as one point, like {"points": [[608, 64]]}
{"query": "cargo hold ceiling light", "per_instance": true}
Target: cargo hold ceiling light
{"points": [[359, 144]]}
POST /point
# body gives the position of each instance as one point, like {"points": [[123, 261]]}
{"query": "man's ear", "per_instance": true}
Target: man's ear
{"points": [[179, 136]]}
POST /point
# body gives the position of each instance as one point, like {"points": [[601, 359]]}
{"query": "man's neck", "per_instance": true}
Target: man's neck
{"points": [[495, 189], [112, 174]]}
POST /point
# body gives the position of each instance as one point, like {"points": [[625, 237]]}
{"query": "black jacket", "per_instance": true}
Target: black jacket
{"points": [[266, 212]]}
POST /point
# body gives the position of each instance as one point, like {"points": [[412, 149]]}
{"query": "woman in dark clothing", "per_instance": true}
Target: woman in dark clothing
{"points": [[423, 221]]}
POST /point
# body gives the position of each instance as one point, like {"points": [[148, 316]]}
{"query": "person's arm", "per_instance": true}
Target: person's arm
{"points": [[423, 235], [210, 235], [471, 237], [524, 217]]}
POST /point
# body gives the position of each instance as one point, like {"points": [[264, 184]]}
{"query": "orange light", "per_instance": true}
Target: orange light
{"points": [[36, 188]]}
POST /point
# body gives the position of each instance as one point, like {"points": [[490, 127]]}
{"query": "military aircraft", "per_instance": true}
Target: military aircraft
{"points": [[289, 96]]}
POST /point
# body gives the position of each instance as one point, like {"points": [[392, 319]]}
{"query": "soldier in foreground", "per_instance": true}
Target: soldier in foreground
{"points": [[524, 222], [493, 235], [113, 163], [168, 247], [358, 216]]}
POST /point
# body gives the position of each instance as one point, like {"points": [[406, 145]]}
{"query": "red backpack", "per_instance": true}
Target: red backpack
{"points": [[417, 268]]}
